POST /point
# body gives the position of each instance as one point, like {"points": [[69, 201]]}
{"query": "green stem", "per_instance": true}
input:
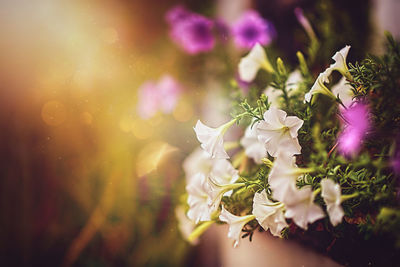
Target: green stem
{"points": [[347, 197], [199, 231], [316, 192]]}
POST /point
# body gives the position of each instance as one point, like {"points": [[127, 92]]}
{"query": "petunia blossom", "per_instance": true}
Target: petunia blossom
{"points": [[356, 125], [283, 175], [161, 96], [270, 215], [340, 64], [301, 208], [193, 33], [169, 90], [198, 161], [197, 190], [236, 224], [149, 99], [177, 14], [319, 87], [278, 129], [211, 139], [253, 62], [251, 29], [292, 85], [217, 188], [252, 146], [331, 194], [344, 90]]}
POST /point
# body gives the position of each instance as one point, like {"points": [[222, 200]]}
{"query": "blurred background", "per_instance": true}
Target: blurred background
{"points": [[90, 174]]}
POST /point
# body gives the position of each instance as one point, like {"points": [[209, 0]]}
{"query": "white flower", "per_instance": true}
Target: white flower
{"points": [[216, 190], [293, 82], [273, 95], [198, 161], [301, 208], [250, 64], [344, 90], [197, 189], [332, 196], [340, 62], [270, 215], [223, 172], [212, 139], [185, 225], [283, 175], [278, 129], [236, 224], [253, 147], [319, 87], [292, 85]]}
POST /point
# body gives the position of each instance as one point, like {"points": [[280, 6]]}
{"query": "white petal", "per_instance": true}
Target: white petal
{"points": [[236, 224], [301, 208], [294, 125], [344, 90], [198, 199], [198, 161], [211, 140], [268, 214], [253, 147], [331, 193], [273, 95], [223, 172], [250, 64]]}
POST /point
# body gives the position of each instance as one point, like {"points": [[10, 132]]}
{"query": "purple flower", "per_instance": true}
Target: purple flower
{"points": [[356, 124], [176, 14], [251, 28], [162, 96], [191, 31]]}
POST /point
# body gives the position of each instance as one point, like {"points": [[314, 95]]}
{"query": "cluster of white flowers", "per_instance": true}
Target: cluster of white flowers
{"points": [[210, 175]]}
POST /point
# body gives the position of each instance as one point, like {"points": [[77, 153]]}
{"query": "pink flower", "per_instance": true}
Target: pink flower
{"points": [[251, 28], [161, 96], [356, 125]]}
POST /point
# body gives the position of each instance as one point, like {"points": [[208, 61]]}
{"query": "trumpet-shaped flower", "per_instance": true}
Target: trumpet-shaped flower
{"points": [[274, 96], [278, 130], [292, 85], [236, 224], [340, 62], [223, 172], [251, 29], [253, 147], [216, 190], [250, 64], [283, 175], [356, 125], [344, 91], [198, 161], [301, 208], [319, 87], [270, 215], [332, 196], [197, 190], [212, 139], [191, 31], [162, 95]]}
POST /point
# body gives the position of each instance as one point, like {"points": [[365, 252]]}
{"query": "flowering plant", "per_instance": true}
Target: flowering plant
{"points": [[314, 157]]}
